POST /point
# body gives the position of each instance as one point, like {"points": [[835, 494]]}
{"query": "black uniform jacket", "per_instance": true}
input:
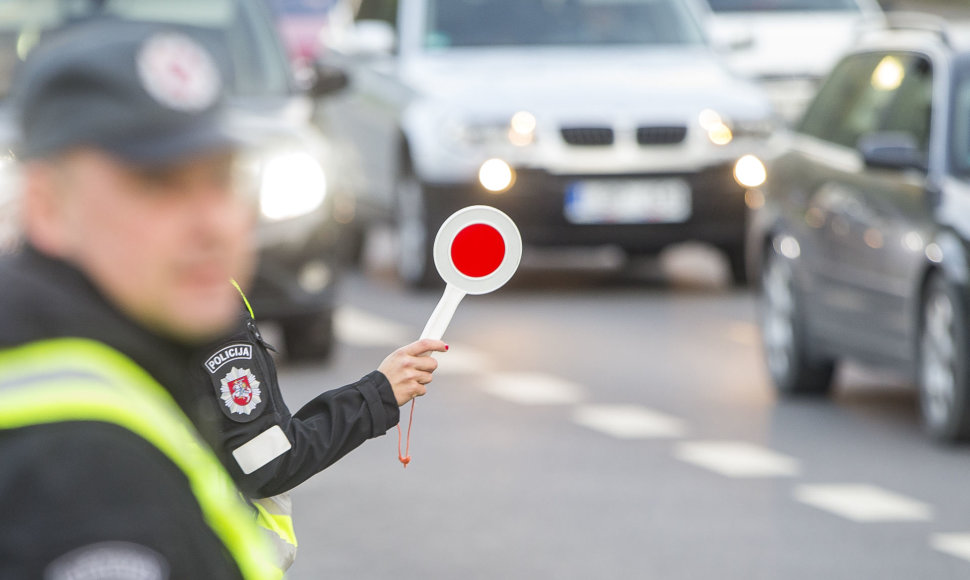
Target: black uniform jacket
{"points": [[70, 485], [239, 396]]}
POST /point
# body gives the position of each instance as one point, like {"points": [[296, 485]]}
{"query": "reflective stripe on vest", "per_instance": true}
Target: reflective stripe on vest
{"points": [[275, 517], [81, 380]]}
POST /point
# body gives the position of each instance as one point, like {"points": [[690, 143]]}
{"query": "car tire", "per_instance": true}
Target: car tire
{"points": [[415, 235], [792, 368], [942, 373], [309, 338]]}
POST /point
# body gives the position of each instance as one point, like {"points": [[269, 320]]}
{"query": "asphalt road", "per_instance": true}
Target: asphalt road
{"points": [[596, 423]]}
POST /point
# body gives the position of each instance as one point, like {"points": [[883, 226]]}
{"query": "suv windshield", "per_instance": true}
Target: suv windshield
{"points": [[787, 5], [469, 23], [236, 32]]}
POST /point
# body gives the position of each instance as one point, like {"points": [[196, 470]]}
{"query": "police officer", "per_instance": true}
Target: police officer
{"points": [[132, 229], [268, 450]]}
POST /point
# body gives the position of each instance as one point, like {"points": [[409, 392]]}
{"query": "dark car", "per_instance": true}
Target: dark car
{"points": [[302, 194], [862, 238]]}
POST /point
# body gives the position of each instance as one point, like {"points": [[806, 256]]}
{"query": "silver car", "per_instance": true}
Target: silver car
{"points": [[590, 122]]}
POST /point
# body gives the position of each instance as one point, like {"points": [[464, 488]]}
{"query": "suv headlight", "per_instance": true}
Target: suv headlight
{"points": [[291, 184], [519, 130], [721, 131]]}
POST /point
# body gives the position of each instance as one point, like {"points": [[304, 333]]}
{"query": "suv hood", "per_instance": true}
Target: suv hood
{"points": [[585, 84]]}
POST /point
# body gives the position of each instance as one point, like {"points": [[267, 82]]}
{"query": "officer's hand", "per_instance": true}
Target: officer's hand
{"points": [[409, 368]]}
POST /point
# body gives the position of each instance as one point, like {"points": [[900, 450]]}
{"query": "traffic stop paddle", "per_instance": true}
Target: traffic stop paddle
{"points": [[476, 251]]}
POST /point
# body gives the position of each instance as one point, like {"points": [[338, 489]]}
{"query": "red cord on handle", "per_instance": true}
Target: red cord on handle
{"points": [[406, 457]]}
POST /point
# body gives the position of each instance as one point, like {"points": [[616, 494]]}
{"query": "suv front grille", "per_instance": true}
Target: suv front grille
{"points": [[668, 135], [587, 135]]}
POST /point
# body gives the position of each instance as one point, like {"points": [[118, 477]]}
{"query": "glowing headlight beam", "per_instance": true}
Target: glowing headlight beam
{"points": [[718, 131], [749, 171], [293, 184], [496, 175], [522, 128]]}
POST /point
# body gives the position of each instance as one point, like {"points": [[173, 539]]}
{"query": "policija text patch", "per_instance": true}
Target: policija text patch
{"points": [[236, 385]]}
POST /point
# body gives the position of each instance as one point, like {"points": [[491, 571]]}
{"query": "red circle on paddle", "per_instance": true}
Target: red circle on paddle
{"points": [[478, 250]]}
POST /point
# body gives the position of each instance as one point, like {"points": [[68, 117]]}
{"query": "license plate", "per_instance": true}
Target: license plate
{"points": [[628, 201]]}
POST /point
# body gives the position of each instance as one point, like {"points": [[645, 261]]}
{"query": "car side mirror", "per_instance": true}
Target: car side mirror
{"points": [[891, 150], [327, 79]]}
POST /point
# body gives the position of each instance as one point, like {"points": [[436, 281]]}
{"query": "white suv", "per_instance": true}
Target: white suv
{"points": [[789, 45], [590, 122]]}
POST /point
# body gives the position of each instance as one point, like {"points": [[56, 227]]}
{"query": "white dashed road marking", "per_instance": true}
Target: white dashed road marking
{"points": [[533, 389], [629, 421], [737, 459], [462, 360], [358, 328], [953, 544], [863, 503]]}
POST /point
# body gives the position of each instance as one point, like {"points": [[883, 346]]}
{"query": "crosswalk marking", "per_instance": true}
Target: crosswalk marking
{"points": [[533, 389], [358, 328], [953, 544], [863, 503], [737, 459], [629, 421]]}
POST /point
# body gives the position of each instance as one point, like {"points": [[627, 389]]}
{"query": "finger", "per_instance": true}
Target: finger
{"points": [[424, 346], [427, 364]]}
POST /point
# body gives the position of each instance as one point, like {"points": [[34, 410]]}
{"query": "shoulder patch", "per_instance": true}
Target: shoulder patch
{"points": [[237, 381], [227, 354], [240, 393]]}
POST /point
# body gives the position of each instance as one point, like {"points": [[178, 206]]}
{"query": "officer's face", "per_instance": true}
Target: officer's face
{"points": [[161, 243]]}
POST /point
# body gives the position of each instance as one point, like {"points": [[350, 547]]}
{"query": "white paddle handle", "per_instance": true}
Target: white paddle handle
{"points": [[438, 322]]}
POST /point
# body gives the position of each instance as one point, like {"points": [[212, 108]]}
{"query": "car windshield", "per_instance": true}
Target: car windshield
{"points": [[240, 37], [782, 5], [475, 23]]}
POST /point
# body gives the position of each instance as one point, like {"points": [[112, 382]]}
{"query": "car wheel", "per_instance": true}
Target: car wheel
{"points": [[415, 262], [309, 337], [790, 365], [942, 356]]}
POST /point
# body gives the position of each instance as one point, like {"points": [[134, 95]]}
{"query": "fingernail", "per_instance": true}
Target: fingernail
{"points": [[447, 347]]}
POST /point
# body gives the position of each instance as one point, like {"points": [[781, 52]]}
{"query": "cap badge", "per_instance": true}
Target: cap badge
{"points": [[177, 72]]}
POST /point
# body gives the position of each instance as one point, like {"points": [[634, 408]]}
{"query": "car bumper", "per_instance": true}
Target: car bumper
{"points": [[537, 201], [297, 273]]}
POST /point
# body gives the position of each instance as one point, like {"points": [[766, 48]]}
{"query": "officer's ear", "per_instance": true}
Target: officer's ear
{"points": [[44, 208]]}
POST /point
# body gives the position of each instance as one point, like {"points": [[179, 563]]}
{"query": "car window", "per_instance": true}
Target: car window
{"points": [[872, 92], [239, 33], [790, 5], [464, 23], [960, 139], [384, 10], [911, 108]]}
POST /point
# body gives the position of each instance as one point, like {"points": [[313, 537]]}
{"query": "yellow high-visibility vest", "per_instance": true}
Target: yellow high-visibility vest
{"points": [[71, 379]]}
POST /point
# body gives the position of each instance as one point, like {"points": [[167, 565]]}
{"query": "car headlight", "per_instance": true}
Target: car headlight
{"points": [[519, 130], [291, 184], [721, 131], [718, 131], [749, 171]]}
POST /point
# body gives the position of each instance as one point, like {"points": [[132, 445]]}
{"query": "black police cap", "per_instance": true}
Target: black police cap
{"points": [[148, 94]]}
